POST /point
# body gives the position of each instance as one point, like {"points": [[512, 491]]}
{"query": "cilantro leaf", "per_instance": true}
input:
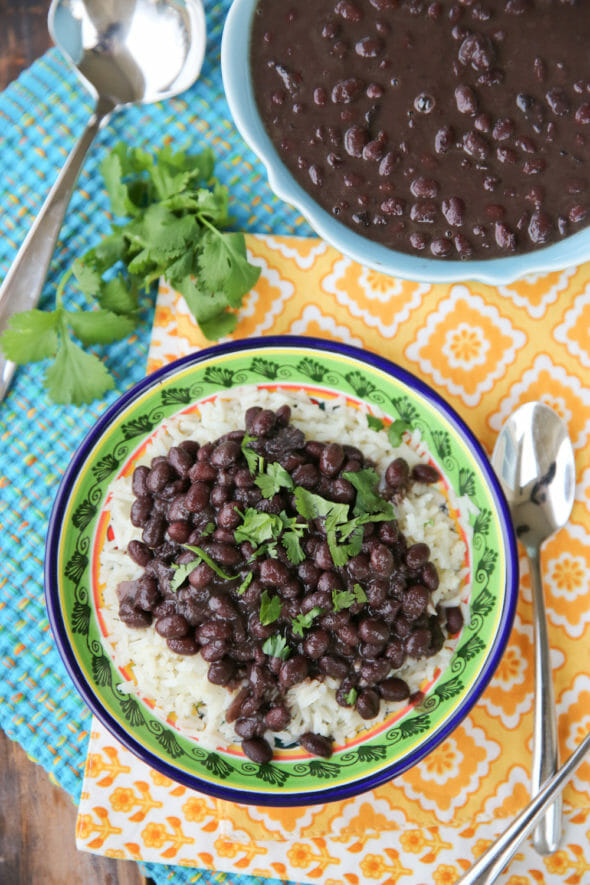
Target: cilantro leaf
{"points": [[270, 608], [118, 296], [30, 336], [181, 573], [374, 422], [396, 430], [203, 556], [368, 500], [351, 696], [252, 458], [273, 480], [258, 527], [99, 326], [223, 266], [303, 622], [292, 544], [359, 593], [276, 647], [342, 599], [245, 584], [76, 376], [174, 214]]}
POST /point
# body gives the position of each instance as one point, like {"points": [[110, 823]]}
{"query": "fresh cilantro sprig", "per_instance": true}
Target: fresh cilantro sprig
{"points": [[174, 214], [276, 647], [273, 479], [342, 599], [303, 622], [270, 608], [183, 570]]}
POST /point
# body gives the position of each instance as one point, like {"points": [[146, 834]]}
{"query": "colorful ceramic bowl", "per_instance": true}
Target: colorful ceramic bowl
{"points": [[237, 83], [79, 523]]}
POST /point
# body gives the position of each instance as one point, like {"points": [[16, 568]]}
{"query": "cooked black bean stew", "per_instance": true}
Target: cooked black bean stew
{"points": [[279, 559]]}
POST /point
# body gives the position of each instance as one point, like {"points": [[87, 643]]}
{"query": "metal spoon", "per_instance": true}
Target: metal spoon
{"points": [[490, 864], [124, 51], [534, 460]]}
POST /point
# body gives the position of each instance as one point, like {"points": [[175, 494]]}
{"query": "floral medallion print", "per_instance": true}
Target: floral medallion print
{"points": [[462, 334], [486, 351]]}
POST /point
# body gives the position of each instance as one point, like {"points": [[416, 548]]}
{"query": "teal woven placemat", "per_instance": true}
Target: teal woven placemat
{"points": [[41, 115]]}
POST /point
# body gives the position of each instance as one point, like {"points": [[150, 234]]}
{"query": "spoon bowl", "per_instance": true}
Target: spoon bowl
{"points": [[125, 52], [130, 50], [534, 460]]}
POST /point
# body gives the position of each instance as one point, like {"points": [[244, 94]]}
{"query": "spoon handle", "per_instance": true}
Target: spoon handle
{"points": [[488, 867], [24, 281], [547, 835]]}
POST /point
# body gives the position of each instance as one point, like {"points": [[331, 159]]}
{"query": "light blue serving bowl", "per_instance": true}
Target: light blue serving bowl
{"points": [[235, 66]]}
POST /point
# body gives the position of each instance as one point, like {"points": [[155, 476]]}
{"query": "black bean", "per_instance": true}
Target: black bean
{"points": [[331, 459], [147, 594], [138, 485], [185, 645], [133, 617], [316, 744], [454, 618], [367, 703], [417, 554], [373, 630], [258, 750], [179, 531], [394, 689], [418, 643], [425, 473], [333, 665], [373, 671], [429, 576], [214, 650], [139, 552], [415, 601], [316, 643], [141, 510], [221, 672], [277, 718], [154, 531], [382, 561], [213, 631], [181, 460], [159, 476]]}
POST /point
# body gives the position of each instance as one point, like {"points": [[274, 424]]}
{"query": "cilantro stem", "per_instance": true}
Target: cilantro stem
{"points": [[61, 287]]}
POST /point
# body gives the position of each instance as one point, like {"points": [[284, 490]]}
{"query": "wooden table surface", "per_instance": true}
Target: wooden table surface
{"points": [[37, 818]]}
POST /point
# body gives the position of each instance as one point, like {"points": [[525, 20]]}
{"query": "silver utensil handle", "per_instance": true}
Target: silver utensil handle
{"points": [[24, 281], [491, 863], [547, 835]]}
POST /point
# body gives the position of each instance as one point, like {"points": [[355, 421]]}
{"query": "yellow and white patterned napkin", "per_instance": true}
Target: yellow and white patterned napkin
{"points": [[486, 350]]}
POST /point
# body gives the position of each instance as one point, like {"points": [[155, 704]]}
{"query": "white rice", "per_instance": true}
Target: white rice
{"points": [[177, 686]]}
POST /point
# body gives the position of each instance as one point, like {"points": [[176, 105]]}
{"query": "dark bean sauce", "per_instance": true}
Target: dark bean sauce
{"points": [[452, 130], [264, 615]]}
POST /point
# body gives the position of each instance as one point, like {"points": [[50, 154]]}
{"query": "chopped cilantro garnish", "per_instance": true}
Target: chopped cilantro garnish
{"points": [[368, 500], [396, 430], [276, 647], [252, 458], [351, 696], [342, 599], [273, 479], [204, 557], [245, 584], [303, 622], [374, 423], [270, 608], [258, 527]]}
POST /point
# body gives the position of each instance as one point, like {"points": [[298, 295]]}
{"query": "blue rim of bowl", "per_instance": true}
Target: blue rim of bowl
{"points": [[235, 68], [56, 617]]}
